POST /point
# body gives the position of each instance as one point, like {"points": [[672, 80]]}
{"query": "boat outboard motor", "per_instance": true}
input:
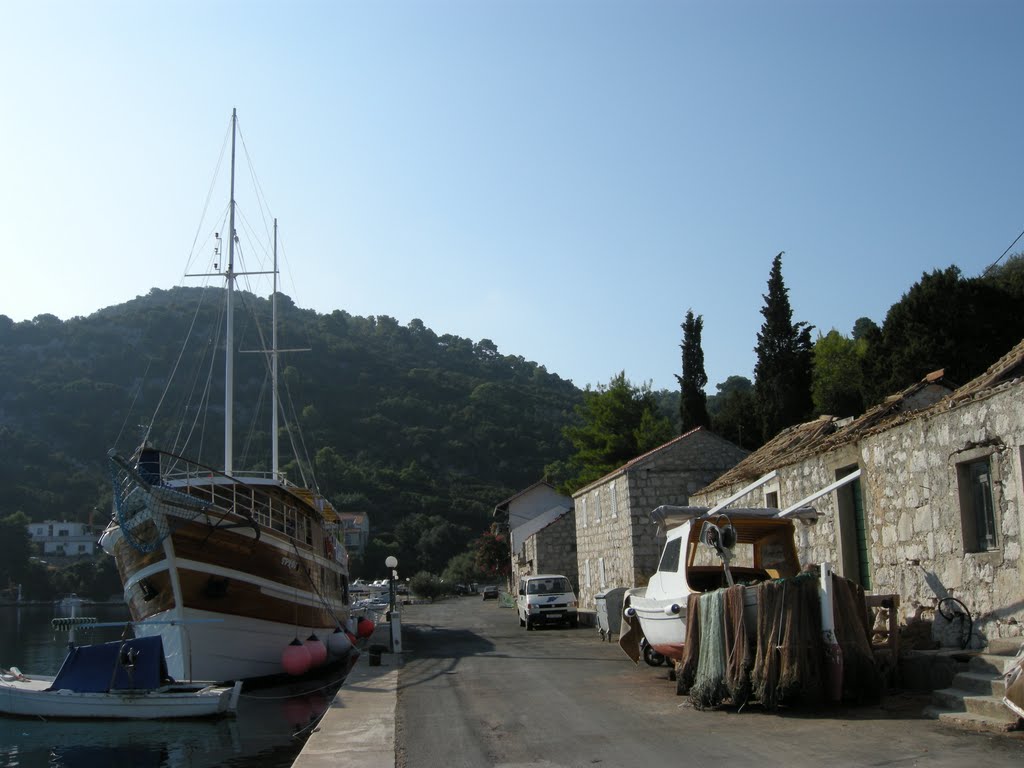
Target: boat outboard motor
{"points": [[722, 540]]}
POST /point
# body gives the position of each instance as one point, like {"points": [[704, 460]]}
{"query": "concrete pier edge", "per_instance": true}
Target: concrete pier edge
{"points": [[358, 729]]}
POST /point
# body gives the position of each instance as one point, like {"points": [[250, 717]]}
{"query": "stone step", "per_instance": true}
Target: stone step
{"points": [[959, 700], [1004, 646], [990, 663], [982, 683], [971, 721]]}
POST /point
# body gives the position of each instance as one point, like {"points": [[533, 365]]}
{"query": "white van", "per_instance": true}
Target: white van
{"points": [[546, 598]]}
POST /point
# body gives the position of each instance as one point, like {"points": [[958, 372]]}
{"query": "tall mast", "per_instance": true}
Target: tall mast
{"points": [[229, 336], [273, 366]]}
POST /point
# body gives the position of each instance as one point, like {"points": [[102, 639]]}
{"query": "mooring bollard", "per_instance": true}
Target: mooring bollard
{"points": [[375, 652]]}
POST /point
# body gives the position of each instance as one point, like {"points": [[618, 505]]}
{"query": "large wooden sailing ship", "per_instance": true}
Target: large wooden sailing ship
{"points": [[228, 567]]}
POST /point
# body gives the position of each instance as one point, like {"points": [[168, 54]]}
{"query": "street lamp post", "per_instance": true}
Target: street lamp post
{"points": [[391, 563], [393, 614]]}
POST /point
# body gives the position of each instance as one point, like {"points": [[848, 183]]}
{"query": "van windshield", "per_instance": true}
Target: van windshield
{"points": [[548, 586]]}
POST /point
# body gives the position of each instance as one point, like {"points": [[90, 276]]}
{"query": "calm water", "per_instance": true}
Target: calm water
{"points": [[271, 727]]}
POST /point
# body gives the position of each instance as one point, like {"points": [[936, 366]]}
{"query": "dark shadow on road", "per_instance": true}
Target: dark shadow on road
{"points": [[425, 641]]}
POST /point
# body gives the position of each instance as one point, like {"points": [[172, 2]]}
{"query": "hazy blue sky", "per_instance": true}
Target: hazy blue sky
{"points": [[563, 178]]}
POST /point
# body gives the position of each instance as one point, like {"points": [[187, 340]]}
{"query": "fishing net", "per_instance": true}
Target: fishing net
{"points": [[789, 665], [709, 687], [738, 647], [862, 681], [687, 671], [144, 511]]}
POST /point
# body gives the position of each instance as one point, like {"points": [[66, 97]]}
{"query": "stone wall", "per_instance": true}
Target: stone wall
{"points": [[618, 546], [551, 550], [914, 512]]}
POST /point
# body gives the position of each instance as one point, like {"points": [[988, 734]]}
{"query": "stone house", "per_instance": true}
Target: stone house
{"points": [[355, 526], [546, 544], [534, 520], [617, 545], [937, 510]]}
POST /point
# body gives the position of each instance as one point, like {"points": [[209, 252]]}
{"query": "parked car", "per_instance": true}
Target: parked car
{"points": [[490, 592], [546, 599]]}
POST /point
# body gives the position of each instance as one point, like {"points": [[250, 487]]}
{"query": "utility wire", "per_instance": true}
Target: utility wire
{"points": [[993, 264]]}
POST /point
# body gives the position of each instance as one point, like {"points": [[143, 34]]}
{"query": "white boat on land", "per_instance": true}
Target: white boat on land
{"points": [[706, 549], [228, 566], [751, 546], [118, 680]]}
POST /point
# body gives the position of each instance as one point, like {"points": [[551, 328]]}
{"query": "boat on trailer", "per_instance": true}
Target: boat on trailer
{"points": [[125, 679]]}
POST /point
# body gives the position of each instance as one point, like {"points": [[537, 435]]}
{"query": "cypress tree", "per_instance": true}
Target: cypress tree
{"points": [[785, 356], [693, 411]]}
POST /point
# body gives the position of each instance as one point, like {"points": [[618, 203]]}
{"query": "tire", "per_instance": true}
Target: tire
{"points": [[652, 657], [574, 623]]}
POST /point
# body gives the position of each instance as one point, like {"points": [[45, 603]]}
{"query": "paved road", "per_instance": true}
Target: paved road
{"points": [[477, 690]]}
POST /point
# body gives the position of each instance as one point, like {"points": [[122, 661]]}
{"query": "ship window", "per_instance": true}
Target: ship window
{"points": [[670, 557]]}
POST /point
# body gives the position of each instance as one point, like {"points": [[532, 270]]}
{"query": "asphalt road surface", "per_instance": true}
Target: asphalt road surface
{"points": [[476, 689]]}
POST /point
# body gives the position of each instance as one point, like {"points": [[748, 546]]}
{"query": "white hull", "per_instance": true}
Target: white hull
{"points": [[663, 621], [29, 698], [209, 646]]}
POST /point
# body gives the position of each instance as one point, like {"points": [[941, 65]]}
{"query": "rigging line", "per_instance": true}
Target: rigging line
{"points": [[187, 398], [202, 407], [200, 410], [993, 264], [131, 405], [301, 457], [261, 197], [174, 369], [209, 196], [250, 437]]}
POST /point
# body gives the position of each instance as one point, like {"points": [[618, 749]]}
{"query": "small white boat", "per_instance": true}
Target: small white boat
{"points": [[744, 546], [69, 603], [118, 680]]}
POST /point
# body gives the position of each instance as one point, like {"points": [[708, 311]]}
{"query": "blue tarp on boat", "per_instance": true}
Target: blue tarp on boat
{"points": [[136, 664]]}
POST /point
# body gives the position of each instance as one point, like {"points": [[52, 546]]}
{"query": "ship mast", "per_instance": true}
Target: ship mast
{"points": [[229, 335], [273, 366]]}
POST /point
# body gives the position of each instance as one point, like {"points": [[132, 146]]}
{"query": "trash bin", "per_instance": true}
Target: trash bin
{"points": [[609, 612]]}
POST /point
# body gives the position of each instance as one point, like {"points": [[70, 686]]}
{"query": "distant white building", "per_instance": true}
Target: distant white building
{"points": [[356, 528], [61, 538]]}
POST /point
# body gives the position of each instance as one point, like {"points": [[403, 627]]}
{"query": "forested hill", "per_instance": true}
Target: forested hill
{"points": [[396, 419]]}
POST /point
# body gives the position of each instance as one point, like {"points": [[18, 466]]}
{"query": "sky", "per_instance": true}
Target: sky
{"points": [[564, 178]]}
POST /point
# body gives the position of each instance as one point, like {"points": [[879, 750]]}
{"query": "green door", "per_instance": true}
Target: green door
{"points": [[861, 534]]}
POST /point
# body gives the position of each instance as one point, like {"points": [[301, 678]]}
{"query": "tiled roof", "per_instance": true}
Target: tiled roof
{"points": [[826, 434], [503, 505]]}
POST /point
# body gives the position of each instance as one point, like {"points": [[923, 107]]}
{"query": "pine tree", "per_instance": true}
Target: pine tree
{"points": [[785, 357], [693, 410]]}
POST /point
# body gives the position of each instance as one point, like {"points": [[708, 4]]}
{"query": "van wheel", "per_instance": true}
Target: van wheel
{"points": [[574, 623]]}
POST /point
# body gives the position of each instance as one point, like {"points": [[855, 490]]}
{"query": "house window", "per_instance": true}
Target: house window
{"points": [[583, 511], [771, 499], [977, 512], [600, 571], [615, 501], [597, 506], [586, 571]]}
